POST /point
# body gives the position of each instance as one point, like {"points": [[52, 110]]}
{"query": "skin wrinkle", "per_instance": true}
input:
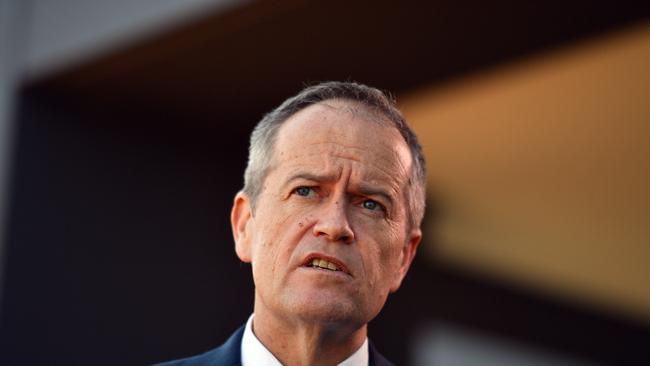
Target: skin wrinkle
{"points": [[342, 146], [402, 168], [378, 167]]}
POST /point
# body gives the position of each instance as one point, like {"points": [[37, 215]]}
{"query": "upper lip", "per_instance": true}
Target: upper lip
{"points": [[339, 263]]}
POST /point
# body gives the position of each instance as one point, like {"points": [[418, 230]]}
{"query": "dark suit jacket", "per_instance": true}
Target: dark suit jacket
{"points": [[229, 354]]}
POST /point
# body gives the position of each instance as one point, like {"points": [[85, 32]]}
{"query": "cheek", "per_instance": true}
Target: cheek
{"points": [[380, 264], [385, 239], [387, 256], [374, 235], [265, 266], [275, 241]]}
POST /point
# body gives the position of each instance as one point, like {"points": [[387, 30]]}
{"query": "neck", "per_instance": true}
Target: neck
{"points": [[298, 342]]}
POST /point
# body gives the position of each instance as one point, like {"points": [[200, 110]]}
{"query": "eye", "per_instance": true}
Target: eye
{"points": [[303, 191], [371, 205]]}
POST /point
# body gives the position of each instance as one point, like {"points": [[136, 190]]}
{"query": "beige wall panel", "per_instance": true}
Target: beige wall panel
{"points": [[542, 169]]}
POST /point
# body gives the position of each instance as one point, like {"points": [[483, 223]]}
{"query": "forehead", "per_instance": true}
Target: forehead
{"points": [[337, 132]]}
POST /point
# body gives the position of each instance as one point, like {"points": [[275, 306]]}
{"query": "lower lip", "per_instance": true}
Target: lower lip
{"points": [[326, 272]]}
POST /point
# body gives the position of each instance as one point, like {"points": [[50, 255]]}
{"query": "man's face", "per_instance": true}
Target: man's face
{"points": [[335, 198]]}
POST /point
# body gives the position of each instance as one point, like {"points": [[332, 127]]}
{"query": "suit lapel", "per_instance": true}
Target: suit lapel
{"points": [[229, 354]]}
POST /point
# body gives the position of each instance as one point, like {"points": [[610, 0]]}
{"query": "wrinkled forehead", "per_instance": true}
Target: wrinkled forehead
{"points": [[341, 129]]}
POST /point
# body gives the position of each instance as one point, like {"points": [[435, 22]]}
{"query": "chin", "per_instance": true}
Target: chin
{"points": [[328, 310]]}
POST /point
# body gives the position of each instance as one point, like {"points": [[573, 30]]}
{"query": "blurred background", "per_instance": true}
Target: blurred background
{"points": [[123, 138]]}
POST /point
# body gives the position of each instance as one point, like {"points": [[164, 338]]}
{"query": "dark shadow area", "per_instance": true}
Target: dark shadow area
{"points": [[119, 245]]}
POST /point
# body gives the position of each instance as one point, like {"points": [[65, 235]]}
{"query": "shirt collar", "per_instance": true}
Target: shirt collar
{"points": [[254, 353]]}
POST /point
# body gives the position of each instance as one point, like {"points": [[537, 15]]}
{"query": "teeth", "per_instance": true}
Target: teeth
{"points": [[321, 263]]}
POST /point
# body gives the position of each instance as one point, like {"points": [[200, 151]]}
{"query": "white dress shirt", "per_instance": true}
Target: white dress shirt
{"points": [[253, 352]]}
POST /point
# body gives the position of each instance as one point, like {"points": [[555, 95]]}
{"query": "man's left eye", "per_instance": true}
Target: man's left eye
{"points": [[303, 191], [371, 205]]}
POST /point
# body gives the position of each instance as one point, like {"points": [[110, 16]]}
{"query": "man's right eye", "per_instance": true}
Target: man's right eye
{"points": [[303, 191]]}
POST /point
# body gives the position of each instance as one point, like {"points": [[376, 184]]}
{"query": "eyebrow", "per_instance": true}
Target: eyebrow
{"points": [[312, 177], [368, 190], [364, 189]]}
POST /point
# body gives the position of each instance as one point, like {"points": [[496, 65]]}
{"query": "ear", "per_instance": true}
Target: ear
{"points": [[406, 257], [240, 220]]}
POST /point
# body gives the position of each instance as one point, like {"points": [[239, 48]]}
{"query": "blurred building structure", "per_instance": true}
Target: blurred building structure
{"points": [[124, 129]]}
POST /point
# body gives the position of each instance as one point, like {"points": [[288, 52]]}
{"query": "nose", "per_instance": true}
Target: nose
{"points": [[333, 223]]}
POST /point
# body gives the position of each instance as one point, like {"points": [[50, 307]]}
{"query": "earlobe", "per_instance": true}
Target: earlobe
{"points": [[407, 255], [240, 218]]}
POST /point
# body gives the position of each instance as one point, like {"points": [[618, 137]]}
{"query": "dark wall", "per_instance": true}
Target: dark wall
{"points": [[119, 247]]}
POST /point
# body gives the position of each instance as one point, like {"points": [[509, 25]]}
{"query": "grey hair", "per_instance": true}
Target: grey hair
{"points": [[265, 133]]}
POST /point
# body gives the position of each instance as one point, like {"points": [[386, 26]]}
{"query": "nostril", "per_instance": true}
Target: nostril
{"points": [[346, 239]]}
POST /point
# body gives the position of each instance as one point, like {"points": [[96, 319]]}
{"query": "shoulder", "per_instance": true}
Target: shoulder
{"points": [[228, 354]]}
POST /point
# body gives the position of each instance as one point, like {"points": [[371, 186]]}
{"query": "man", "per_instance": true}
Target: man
{"points": [[329, 219]]}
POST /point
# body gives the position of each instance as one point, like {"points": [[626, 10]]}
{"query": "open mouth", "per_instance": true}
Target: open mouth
{"points": [[326, 263], [323, 264]]}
